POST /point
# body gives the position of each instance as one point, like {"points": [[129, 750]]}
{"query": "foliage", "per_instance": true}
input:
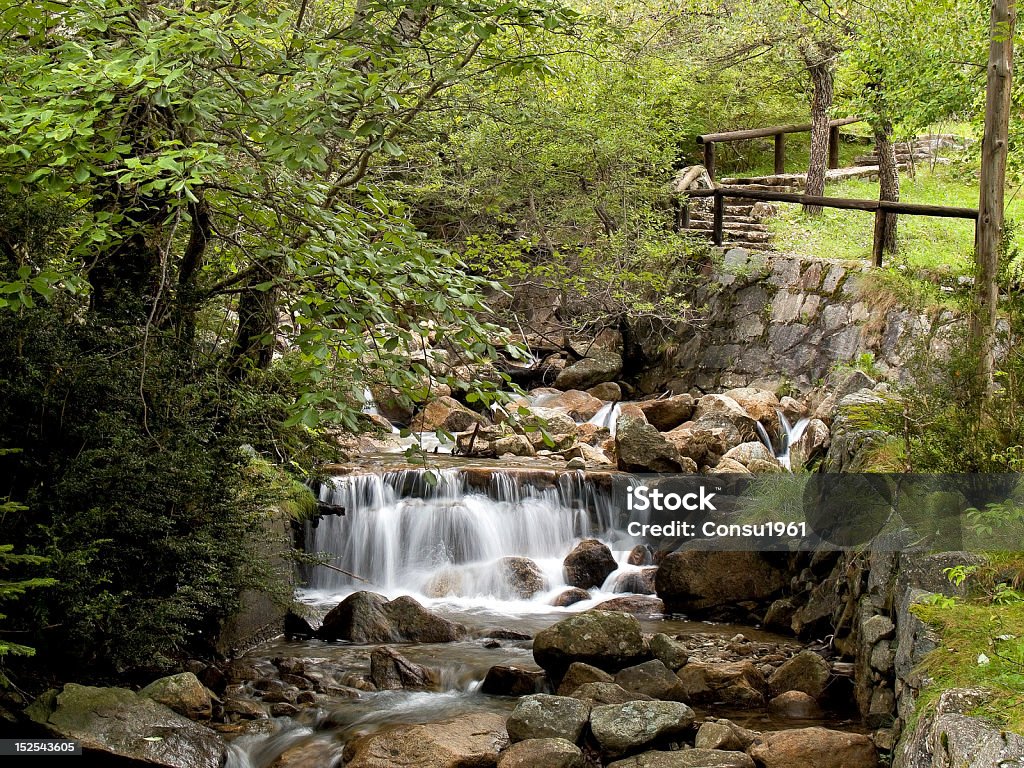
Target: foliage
{"points": [[972, 633]]}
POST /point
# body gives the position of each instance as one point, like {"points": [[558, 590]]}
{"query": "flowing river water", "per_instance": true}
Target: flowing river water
{"points": [[437, 535]]}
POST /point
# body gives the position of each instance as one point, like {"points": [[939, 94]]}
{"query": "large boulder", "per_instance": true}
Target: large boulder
{"points": [[468, 741], [522, 576], [725, 407], [117, 723], [604, 639], [609, 391], [814, 748], [686, 758], [448, 414], [759, 404], [541, 716], [705, 441], [737, 683], [366, 618], [588, 565], [806, 672], [183, 693], [642, 448], [542, 753], [667, 412], [747, 453], [621, 728], [597, 694], [652, 678], [724, 734], [391, 671], [672, 653], [580, 406], [705, 582], [641, 605], [570, 596], [795, 705], [599, 367]]}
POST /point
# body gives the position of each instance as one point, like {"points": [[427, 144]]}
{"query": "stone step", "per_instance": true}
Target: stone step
{"points": [[729, 217], [731, 236], [747, 227]]}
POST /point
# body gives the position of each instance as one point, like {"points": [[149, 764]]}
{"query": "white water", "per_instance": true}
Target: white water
{"points": [[607, 416], [441, 543], [790, 434]]}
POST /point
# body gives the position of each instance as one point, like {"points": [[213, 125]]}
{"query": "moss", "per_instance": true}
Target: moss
{"points": [[967, 631]]}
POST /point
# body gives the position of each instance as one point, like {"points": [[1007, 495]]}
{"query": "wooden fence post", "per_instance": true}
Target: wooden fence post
{"points": [[718, 235], [878, 242], [780, 153], [833, 147], [709, 159]]}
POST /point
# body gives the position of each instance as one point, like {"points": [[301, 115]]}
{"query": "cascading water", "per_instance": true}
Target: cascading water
{"points": [[789, 436], [447, 538], [607, 416]]}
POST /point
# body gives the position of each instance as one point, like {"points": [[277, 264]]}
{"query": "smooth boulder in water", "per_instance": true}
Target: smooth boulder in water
{"points": [[620, 728], [367, 617], [542, 753], [119, 723], [391, 671], [605, 639], [588, 565], [473, 739], [542, 716]]}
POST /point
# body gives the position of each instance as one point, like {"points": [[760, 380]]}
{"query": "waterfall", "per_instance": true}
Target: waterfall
{"points": [[444, 534], [790, 435], [607, 416]]}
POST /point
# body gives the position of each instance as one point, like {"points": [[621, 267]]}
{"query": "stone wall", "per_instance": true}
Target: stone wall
{"points": [[776, 320]]}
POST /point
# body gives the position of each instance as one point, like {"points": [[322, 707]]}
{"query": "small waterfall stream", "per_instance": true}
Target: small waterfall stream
{"points": [[439, 534]]}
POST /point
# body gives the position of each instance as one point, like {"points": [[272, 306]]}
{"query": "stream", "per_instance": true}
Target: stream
{"points": [[438, 539]]}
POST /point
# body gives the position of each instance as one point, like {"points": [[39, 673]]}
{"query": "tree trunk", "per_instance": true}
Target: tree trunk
{"points": [[821, 63], [989, 240], [888, 180], [253, 349]]}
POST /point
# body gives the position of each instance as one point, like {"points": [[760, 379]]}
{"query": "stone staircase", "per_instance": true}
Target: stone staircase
{"points": [[742, 228]]}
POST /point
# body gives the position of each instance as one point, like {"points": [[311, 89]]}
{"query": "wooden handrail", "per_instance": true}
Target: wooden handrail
{"points": [[761, 133], [881, 209]]}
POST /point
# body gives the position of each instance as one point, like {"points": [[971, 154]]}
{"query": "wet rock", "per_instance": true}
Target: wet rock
{"points": [[522, 575], [448, 414], [796, 705], [308, 754], [668, 412], [588, 565], [366, 617], [471, 740], [724, 734], [516, 445], [580, 674], [283, 709], [640, 555], [605, 639], [638, 582], [641, 605], [570, 597], [814, 748], [391, 671], [686, 758], [759, 404], [507, 634], [542, 716], [738, 683], [780, 615], [243, 709], [652, 678], [642, 448], [183, 693], [597, 694], [620, 728], [542, 753], [609, 391], [601, 367], [806, 672], [813, 443], [700, 582], [508, 680], [672, 653], [118, 723]]}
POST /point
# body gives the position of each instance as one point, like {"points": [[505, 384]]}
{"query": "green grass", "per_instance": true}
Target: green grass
{"points": [[967, 631], [927, 244]]}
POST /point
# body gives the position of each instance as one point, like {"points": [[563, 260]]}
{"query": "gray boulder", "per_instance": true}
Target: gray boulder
{"points": [[806, 672], [652, 678], [183, 693], [606, 693], [366, 617], [601, 366], [391, 671], [607, 640], [542, 753], [642, 448], [700, 582], [548, 717], [118, 723], [620, 728]]}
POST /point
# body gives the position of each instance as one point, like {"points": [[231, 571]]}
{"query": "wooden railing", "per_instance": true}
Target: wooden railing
{"points": [[881, 208], [708, 141]]}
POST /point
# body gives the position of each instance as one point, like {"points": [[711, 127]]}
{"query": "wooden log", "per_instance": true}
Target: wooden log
{"points": [[780, 154], [914, 209], [761, 133], [691, 175]]}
